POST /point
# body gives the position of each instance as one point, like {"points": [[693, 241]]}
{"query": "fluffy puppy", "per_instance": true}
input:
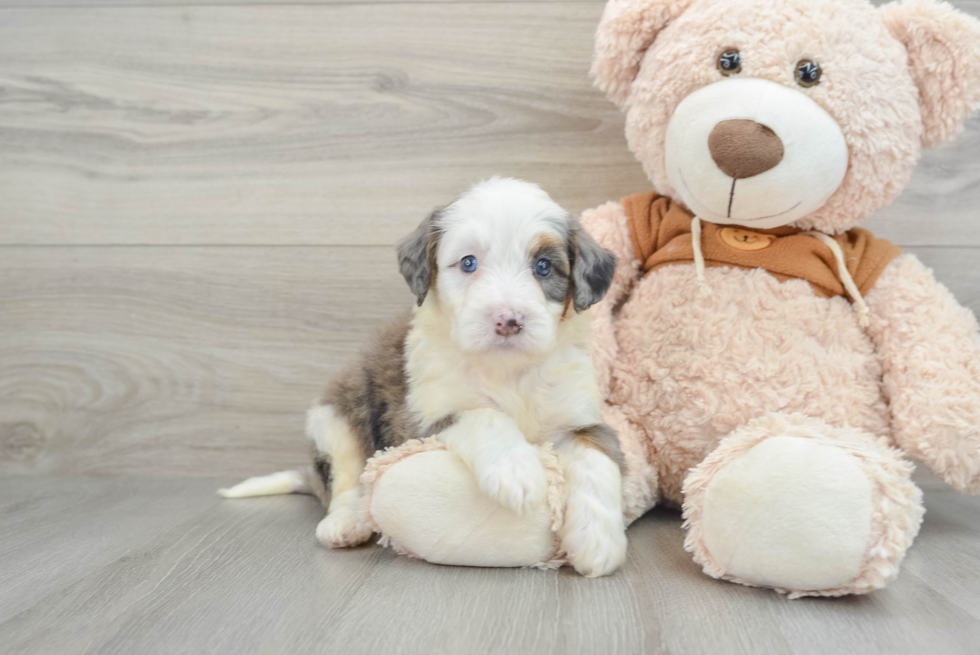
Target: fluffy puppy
{"points": [[494, 358]]}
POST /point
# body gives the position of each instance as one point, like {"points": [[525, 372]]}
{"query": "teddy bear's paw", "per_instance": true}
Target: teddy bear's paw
{"points": [[342, 529], [962, 472], [594, 540], [792, 503], [512, 475], [791, 512]]}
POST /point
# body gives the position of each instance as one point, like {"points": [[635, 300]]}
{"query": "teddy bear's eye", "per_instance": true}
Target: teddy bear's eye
{"points": [[808, 73], [729, 62]]}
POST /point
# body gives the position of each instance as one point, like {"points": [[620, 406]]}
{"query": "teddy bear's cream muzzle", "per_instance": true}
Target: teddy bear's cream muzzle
{"points": [[753, 153]]}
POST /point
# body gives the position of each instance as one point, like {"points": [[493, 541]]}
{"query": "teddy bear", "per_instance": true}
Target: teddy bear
{"points": [[770, 367], [778, 362]]}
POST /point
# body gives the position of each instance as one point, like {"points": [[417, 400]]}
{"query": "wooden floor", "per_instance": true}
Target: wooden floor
{"points": [[198, 201], [164, 566]]}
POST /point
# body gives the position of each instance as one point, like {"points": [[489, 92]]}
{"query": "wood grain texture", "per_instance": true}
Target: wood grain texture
{"points": [[302, 125], [163, 361], [57, 531], [247, 576], [185, 361], [330, 124]]}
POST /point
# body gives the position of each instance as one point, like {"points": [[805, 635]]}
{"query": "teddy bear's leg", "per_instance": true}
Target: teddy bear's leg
{"points": [[639, 477], [427, 503], [791, 503]]}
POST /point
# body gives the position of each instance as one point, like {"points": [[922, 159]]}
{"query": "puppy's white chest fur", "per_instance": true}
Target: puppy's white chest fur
{"points": [[546, 397]]}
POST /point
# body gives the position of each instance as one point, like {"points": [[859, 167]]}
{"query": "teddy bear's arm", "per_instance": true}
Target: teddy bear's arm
{"points": [[929, 349], [609, 226]]}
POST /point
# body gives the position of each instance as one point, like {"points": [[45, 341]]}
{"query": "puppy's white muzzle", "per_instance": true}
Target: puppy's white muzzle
{"points": [[504, 313], [754, 153]]}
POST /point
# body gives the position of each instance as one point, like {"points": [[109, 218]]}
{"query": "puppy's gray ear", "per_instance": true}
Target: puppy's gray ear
{"points": [[417, 255], [592, 268]]}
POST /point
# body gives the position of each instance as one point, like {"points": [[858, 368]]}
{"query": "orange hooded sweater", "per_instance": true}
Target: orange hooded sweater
{"points": [[660, 230]]}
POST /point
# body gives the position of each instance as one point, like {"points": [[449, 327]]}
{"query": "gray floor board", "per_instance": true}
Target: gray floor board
{"points": [[247, 576], [57, 531]]}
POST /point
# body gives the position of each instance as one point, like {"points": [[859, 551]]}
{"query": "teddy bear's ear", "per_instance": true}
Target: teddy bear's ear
{"points": [[944, 58], [627, 29]]}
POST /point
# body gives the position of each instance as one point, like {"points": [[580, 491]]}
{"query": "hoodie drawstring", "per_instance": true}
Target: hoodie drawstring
{"points": [[704, 289], [864, 314]]}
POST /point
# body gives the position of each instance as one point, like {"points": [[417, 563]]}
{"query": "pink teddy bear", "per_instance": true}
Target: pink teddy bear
{"points": [[768, 364]]}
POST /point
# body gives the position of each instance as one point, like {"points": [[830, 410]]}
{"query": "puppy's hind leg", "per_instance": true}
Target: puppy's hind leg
{"points": [[340, 460]]}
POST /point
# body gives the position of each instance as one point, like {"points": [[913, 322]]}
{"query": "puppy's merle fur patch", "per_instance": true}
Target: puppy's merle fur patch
{"points": [[556, 285], [440, 425], [582, 270], [371, 395], [592, 268], [604, 439], [319, 480], [417, 256]]}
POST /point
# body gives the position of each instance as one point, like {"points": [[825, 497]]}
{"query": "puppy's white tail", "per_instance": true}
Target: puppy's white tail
{"points": [[284, 482]]}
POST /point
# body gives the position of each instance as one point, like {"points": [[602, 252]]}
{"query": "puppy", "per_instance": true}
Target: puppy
{"points": [[495, 358]]}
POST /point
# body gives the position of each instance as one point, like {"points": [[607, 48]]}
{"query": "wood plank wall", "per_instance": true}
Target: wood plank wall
{"points": [[198, 202]]}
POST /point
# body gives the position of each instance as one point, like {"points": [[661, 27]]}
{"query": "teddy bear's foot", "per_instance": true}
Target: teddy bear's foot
{"points": [[426, 503], [791, 503]]}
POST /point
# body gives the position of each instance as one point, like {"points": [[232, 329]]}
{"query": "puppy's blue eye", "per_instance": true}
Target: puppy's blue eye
{"points": [[468, 264], [542, 268]]}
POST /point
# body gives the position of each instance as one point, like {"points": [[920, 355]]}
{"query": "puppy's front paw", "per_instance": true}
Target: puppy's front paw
{"points": [[512, 475], [341, 529], [595, 542]]}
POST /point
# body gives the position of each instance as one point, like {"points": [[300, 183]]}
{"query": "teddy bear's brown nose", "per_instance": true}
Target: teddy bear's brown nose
{"points": [[743, 148]]}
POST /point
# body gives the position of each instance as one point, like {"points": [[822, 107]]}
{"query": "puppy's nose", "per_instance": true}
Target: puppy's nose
{"points": [[744, 148], [508, 324]]}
